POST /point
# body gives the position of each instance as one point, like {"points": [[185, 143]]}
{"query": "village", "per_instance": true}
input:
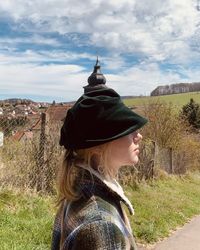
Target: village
{"points": [[22, 119], [20, 107]]}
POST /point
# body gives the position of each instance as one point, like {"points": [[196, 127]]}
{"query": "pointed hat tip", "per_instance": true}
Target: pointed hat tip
{"points": [[97, 61]]}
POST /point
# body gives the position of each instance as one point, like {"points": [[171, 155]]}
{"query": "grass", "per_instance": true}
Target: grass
{"points": [[164, 205], [25, 221], [160, 206], [177, 99]]}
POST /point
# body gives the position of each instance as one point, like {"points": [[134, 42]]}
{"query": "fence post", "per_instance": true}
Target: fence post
{"points": [[154, 157], [41, 152], [171, 160], [42, 138]]}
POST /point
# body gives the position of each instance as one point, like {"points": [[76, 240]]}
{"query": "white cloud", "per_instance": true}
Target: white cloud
{"points": [[142, 79], [153, 31], [13, 56], [126, 26], [36, 39], [58, 81], [65, 82]]}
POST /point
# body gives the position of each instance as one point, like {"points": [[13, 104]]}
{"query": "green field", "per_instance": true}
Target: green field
{"points": [[25, 221], [177, 99], [160, 207]]}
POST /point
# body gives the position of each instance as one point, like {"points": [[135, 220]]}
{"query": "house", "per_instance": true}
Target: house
{"points": [[55, 116], [22, 136], [57, 113], [36, 127]]}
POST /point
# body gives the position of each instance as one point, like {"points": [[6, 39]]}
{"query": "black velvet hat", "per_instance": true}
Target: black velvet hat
{"points": [[98, 117]]}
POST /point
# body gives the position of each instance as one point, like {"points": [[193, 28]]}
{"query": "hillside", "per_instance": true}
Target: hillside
{"points": [[15, 101], [176, 99]]}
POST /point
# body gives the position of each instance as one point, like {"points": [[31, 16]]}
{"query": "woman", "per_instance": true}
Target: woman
{"points": [[100, 134]]}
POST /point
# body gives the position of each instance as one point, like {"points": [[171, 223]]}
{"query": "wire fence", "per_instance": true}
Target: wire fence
{"points": [[30, 156]]}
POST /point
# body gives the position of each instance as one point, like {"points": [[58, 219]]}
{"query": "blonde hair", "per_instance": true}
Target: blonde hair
{"points": [[95, 157]]}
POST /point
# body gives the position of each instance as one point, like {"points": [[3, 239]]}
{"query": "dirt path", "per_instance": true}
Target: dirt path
{"points": [[186, 238]]}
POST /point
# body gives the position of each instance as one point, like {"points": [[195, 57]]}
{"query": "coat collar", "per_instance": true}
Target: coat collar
{"points": [[111, 185]]}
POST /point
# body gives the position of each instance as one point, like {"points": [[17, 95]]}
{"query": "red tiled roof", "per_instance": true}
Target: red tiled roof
{"points": [[28, 134], [18, 135], [32, 120], [57, 112], [37, 125]]}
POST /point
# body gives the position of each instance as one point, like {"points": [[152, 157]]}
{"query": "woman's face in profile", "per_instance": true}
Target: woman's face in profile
{"points": [[125, 150]]}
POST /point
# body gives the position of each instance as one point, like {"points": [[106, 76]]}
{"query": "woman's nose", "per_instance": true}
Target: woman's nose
{"points": [[140, 136]]}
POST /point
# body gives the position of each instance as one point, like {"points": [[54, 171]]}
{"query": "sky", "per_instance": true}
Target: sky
{"points": [[48, 48]]}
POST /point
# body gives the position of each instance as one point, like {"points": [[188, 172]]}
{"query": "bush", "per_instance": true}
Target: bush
{"points": [[165, 126], [191, 113], [173, 138]]}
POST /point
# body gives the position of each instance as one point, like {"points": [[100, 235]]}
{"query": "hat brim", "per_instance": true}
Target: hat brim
{"points": [[125, 132]]}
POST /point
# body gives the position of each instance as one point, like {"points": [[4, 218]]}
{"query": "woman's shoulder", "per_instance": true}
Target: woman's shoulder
{"points": [[94, 207], [96, 234]]}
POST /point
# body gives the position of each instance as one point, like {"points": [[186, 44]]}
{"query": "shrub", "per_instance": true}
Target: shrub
{"points": [[191, 113], [165, 126]]}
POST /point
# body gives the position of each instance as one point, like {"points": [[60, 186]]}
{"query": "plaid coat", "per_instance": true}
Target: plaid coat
{"points": [[96, 221]]}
